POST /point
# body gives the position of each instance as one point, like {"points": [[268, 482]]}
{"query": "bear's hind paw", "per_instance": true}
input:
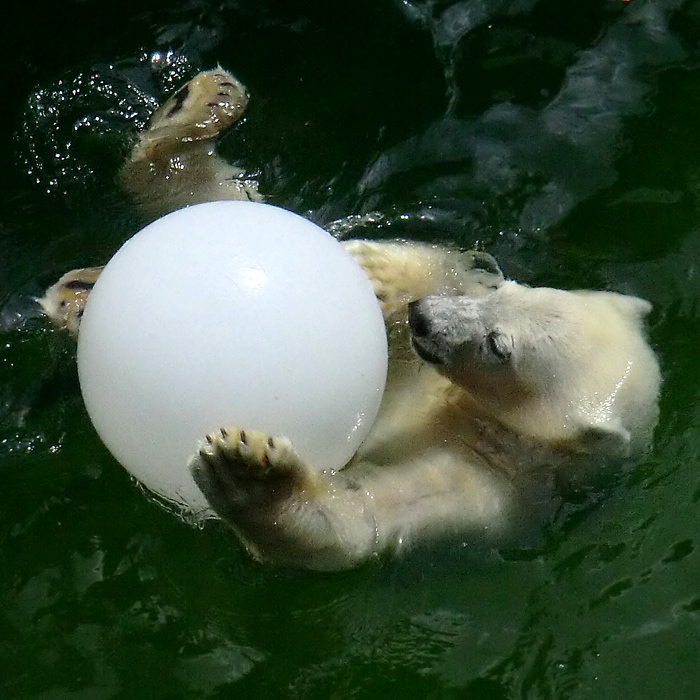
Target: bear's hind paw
{"points": [[201, 108]]}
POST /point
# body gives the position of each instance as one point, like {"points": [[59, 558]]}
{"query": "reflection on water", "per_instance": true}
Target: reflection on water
{"points": [[524, 125], [547, 160]]}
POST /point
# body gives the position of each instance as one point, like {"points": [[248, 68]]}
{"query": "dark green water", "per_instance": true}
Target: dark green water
{"points": [[561, 135]]}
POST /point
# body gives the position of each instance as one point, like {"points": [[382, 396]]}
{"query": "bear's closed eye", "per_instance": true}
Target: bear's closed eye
{"points": [[499, 346]]}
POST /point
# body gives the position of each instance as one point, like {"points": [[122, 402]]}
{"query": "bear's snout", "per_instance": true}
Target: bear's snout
{"points": [[418, 319]]}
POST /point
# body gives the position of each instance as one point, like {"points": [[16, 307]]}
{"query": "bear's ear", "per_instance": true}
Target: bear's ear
{"points": [[607, 439], [629, 305], [482, 269]]}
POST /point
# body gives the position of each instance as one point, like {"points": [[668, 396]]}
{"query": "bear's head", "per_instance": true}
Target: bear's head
{"points": [[566, 367]]}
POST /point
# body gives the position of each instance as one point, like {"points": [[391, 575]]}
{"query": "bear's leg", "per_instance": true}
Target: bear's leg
{"points": [[64, 302], [282, 510], [285, 512], [174, 163]]}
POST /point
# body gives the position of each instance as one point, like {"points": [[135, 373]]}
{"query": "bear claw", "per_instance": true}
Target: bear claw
{"points": [[240, 455], [202, 108], [235, 467]]}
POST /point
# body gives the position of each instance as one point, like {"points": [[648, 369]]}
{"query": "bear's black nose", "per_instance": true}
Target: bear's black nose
{"points": [[418, 319]]}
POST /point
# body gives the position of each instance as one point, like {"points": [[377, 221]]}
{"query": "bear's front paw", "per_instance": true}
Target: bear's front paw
{"points": [[64, 302], [202, 108], [379, 261], [238, 468]]}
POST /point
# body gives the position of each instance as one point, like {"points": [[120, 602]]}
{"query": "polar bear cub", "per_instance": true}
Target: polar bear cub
{"points": [[493, 386], [508, 385]]}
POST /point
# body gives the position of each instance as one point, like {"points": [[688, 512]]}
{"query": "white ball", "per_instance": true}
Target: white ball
{"points": [[230, 314]]}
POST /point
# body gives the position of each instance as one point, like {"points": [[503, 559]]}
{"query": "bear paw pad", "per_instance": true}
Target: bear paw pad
{"points": [[201, 108], [234, 467]]}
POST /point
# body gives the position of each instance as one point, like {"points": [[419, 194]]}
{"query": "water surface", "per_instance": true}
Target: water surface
{"points": [[561, 136]]}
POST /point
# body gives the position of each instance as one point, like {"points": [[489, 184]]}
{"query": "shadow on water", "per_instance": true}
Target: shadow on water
{"points": [[560, 136]]}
